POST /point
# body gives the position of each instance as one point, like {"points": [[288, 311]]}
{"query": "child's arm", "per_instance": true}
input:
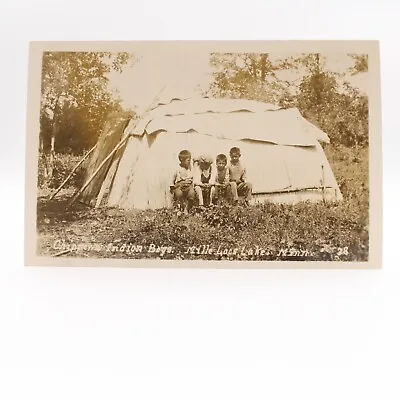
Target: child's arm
{"points": [[172, 186], [244, 175], [227, 177], [175, 177], [189, 178], [230, 174], [213, 177], [197, 176]]}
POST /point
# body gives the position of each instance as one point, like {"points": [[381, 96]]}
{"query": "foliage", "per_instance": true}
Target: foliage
{"points": [[344, 116], [326, 231], [64, 163], [75, 104], [75, 99], [246, 75], [360, 63], [341, 112]]}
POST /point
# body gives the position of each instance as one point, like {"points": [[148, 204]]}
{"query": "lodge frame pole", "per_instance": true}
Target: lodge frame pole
{"points": [[61, 253], [323, 185], [72, 172], [86, 184]]}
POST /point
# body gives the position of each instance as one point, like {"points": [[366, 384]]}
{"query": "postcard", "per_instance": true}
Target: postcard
{"points": [[205, 154]]}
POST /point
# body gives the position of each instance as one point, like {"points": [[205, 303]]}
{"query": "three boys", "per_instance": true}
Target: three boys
{"points": [[210, 185]]}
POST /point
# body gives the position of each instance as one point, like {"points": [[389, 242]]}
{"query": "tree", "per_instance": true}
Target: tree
{"points": [[242, 75], [317, 89], [75, 99], [342, 114], [360, 63]]}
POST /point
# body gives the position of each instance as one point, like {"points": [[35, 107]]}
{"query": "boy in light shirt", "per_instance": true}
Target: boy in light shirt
{"points": [[237, 177], [183, 188]]}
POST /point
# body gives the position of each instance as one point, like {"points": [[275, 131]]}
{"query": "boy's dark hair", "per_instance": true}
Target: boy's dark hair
{"points": [[221, 157], [184, 154], [234, 150]]}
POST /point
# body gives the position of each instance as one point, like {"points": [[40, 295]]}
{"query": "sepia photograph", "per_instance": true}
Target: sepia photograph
{"points": [[228, 151]]}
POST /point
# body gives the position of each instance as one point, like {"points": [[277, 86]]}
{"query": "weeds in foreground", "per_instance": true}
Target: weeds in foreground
{"points": [[262, 232]]}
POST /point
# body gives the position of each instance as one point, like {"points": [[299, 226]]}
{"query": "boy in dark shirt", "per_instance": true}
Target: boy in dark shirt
{"points": [[237, 177], [203, 175]]}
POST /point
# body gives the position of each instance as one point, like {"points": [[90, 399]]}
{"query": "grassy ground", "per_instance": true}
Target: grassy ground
{"points": [[264, 232]]}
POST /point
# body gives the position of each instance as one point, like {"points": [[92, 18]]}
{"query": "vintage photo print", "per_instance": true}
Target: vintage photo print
{"points": [[204, 154]]}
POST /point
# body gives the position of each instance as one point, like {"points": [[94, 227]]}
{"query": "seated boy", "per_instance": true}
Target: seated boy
{"points": [[203, 175], [222, 187], [183, 189], [237, 177]]}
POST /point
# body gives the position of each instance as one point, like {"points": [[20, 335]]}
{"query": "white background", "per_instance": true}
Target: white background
{"points": [[194, 334]]}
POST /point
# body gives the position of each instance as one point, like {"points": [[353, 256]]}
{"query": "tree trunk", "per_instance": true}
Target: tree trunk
{"points": [[254, 68], [42, 155], [263, 66], [52, 155], [318, 65], [41, 144], [53, 140]]}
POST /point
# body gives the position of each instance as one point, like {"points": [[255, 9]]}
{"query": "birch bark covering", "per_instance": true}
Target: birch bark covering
{"points": [[109, 138]]}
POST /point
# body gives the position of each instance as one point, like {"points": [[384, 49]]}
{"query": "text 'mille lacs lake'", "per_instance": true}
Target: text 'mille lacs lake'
{"points": [[262, 154]]}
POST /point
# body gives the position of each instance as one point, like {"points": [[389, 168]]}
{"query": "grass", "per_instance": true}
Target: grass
{"points": [[303, 231]]}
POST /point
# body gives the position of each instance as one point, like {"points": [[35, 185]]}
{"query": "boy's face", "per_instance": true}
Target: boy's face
{"points": [[221, 164], [185, 162], [204, 165], [235, 158]]}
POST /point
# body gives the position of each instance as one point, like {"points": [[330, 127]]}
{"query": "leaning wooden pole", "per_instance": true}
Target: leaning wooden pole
{"points": [[72, 172], [323, 184], [116, 148]]}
